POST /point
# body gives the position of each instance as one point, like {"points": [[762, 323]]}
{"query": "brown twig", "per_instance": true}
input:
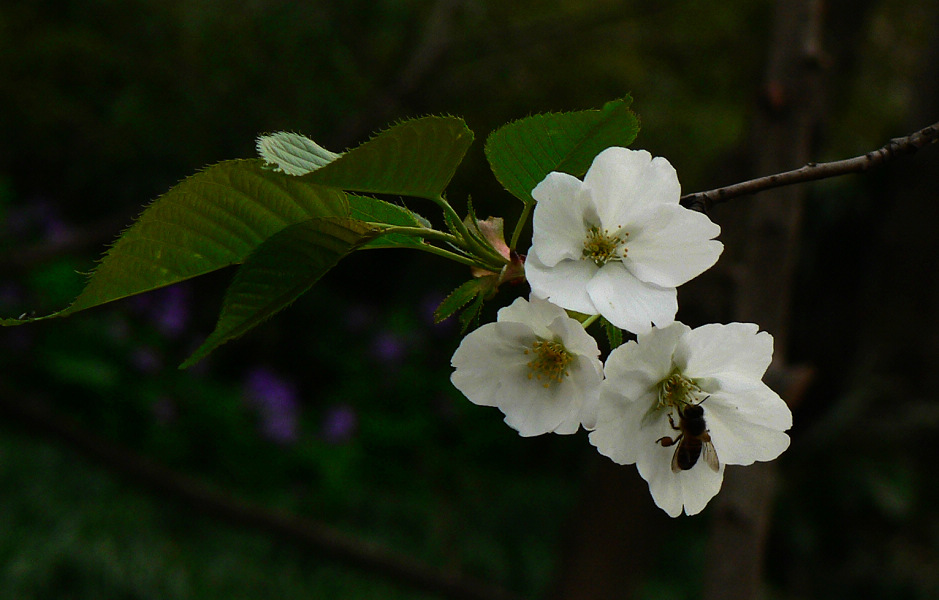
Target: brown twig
{"points": [[331, 543], [814, 171]]}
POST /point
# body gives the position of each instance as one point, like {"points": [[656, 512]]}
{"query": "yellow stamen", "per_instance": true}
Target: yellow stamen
{"points": [[550, 362], [678, 391], [601, 247]]}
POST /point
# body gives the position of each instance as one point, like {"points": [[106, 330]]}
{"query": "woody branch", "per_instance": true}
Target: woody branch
{"points": [[703, 201]]}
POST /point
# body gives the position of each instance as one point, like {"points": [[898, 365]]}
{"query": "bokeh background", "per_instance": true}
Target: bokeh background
{"points": [[340, 410]]}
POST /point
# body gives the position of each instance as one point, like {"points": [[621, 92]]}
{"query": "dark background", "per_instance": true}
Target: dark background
{"points": [[340, 409]]}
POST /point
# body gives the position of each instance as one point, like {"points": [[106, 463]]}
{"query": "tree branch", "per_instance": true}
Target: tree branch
{"points": [[331, 543], [703, 201]]}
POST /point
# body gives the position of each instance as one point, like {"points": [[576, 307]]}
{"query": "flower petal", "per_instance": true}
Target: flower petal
{"points": [[558, 224], [735, 355], [629, 303], [536, 313], [619, 421], [691, 489], [532, 409], [636, 367], [625, 181], [489, 359], [748, 426], [565, 283], [670, 245], [572, 334], [492, 370], [586, 370]]}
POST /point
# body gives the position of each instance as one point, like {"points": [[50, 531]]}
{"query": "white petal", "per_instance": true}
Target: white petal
{"points": [[626, 181], [586, 371], [736, 355], [572, 334], [565, 284], [672, 492], [536, 313], [748, 426], [635, 368], [490, 361], [670, 245], [619, 419], [586, 375], [492, 370], [533, 409], [628, 303], [558, 223]]}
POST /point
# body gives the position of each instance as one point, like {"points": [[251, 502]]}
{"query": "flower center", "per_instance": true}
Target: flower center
{"points": [[601, 246], [549, 363], [678, 391]]}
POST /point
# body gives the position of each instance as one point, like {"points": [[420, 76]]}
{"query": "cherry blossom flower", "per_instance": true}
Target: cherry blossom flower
{"points": [[535, 364], [618, 243], [658, 386]]}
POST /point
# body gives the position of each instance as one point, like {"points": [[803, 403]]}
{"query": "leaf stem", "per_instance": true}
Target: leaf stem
{"points": [[421, 232], [470, 243], [589, 321], [460, 258], [522, 219], [433, 234]]}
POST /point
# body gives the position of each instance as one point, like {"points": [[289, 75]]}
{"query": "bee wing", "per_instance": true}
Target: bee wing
{"points": [[676, 468], [710, 457]]}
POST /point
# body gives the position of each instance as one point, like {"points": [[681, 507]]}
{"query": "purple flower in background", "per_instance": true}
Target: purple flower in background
{"points": [[39, 216], [427, 308], [339, 424], [275, 399], [146, 359], [389, 348], [164, 409], [170, 312], [56, 230]]}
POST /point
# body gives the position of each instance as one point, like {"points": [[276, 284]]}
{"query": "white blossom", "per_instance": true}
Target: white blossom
{"points": [[535, 364], [618, 243], [718, 368]]}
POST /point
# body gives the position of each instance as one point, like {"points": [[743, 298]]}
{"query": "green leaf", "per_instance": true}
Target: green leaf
{"points": [[522, 153], [373, 210], [211, 220], [472, 295], [470, 314], [613, 333], [278, 272], [459, 297], [414, 158], [292, 153]]}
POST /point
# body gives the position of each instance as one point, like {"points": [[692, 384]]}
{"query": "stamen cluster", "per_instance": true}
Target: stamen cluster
{"points": [[677, 391], [601, 247], [551, 362]]}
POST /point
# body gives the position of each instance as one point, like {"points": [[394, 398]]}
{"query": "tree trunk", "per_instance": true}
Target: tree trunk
{"points": [[782, 140]]}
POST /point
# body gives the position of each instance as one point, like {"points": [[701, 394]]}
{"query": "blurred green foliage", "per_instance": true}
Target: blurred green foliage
{"points": [[104, 105]]}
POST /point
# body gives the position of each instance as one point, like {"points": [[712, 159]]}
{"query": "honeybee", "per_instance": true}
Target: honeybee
{"points": [[693, 440]]}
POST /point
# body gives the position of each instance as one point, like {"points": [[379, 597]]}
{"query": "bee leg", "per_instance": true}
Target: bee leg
{"points": [[667, 441], [672, 423]]}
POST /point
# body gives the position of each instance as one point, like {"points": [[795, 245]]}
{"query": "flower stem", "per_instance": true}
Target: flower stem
{"points": [[433, 234], [470, 243], [465, 260], [589, 321], [522, 219], [421, 232]]}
